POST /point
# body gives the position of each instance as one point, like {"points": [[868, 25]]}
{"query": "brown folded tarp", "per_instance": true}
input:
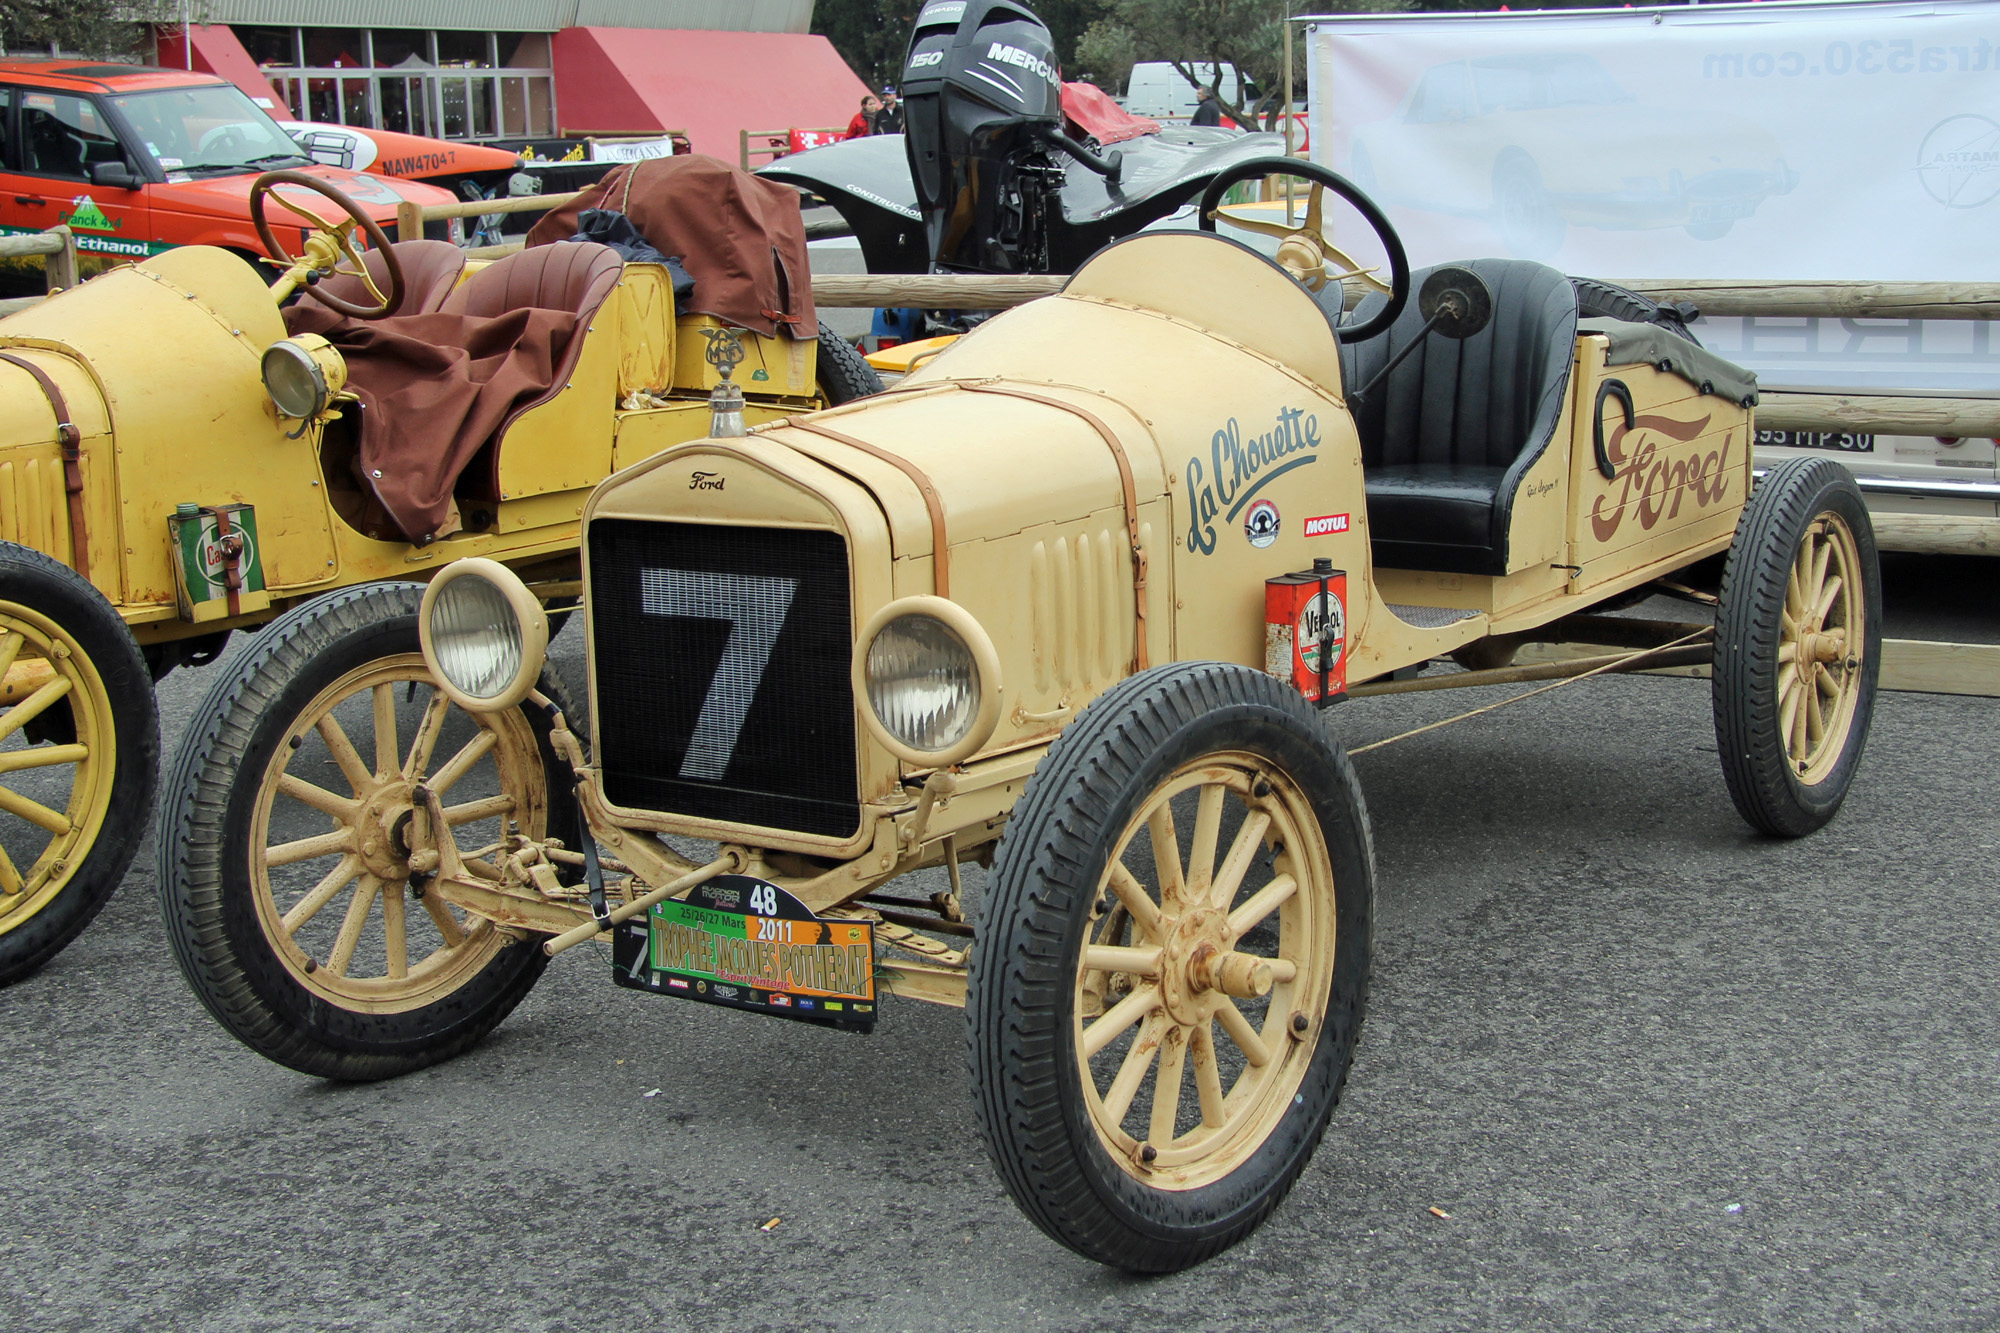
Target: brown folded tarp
{"points": [[433, 389], [740, 237]]}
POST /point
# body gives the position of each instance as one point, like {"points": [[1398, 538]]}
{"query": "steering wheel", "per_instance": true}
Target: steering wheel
{"points": [[328, 244], [1304, 250]]}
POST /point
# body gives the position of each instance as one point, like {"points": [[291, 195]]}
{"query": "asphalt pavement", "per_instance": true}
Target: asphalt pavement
{"points": [[1657, 1072]]}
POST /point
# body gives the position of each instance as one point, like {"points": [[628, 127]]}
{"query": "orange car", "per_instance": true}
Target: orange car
{"points": [[138, 160]]}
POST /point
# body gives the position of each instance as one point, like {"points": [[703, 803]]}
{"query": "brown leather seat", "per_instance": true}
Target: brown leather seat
{"points": [[430, 270], [571, 276]]}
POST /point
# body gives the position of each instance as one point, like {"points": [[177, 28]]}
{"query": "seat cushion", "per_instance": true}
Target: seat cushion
{"points": [[1419, 505], [571, 276]]}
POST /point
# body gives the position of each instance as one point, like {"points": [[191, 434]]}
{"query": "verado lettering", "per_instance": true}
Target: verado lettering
{"points": [[1239, 468]]}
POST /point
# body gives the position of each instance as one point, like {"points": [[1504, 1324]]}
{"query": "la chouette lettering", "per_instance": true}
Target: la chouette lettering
{"points": [[1231, 477]]}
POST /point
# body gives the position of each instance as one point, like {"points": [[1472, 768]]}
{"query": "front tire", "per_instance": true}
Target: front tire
{"points": [[1798, 647], [79, 756], [284, 879], [1106, 965]]}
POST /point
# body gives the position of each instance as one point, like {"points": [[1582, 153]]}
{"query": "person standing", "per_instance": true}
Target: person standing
{"points": [[891, 119], [866, 119], [1206, 110]]}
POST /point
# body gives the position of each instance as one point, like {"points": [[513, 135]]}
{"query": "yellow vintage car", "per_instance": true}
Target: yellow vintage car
{"points": [[1065, 603], [175, 465]]}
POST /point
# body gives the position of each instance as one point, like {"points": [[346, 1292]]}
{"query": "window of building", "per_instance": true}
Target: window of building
{"points": [[450, 85]]}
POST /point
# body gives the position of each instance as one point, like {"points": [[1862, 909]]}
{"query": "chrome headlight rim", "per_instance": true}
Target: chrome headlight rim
{"points": [[318, 360], [531, 620], [986, 661]]}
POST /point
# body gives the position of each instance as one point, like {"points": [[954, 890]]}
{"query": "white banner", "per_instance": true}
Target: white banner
{"points": [[1762, 141]]}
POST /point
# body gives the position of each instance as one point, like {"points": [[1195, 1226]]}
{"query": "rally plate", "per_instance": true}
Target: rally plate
{"points": [[744, 943]]}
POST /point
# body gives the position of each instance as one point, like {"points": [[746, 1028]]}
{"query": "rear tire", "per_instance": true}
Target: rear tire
{"points": [[844, 374], [1801, 586], [318, 949], [81, 745], [1085, 927]]}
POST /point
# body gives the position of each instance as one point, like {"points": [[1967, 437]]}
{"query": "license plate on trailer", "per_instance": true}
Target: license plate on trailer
{"points": [[744, 943]]}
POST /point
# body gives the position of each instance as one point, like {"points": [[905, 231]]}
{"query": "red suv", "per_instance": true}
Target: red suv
{"points": [[138, 160]]}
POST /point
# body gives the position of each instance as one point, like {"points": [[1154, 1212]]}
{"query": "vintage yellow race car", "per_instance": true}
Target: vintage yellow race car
{"points": [[175, 465], [1061, 604]]}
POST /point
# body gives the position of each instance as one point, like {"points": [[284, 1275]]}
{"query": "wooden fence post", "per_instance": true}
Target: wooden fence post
{"points": [[60, 268], [409, 221]]}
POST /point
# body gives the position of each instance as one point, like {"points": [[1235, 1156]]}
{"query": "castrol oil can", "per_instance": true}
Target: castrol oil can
{"points": [[1305, 630]]}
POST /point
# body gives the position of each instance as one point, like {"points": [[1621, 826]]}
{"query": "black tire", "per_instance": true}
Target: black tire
{"points": [[1596, 298], [66, 878], [1788, 785], [210, 837], [1021, 1012], [844, 374]]}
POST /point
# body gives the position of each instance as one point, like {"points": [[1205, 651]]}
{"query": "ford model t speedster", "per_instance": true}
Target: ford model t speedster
{"points": [[201, 455], [1061, 604]]}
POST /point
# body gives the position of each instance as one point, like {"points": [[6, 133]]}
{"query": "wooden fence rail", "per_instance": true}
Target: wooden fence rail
{"points": [[57, 249]]}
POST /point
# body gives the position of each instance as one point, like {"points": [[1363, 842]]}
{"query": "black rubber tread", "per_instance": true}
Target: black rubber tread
{"points": [[1597, 298], [64, 596], [844, 374], [1762, 783], [1026, 1084], [205, 893]]}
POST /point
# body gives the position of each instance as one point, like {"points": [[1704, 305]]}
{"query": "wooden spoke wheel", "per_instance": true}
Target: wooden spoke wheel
{"points": [[79, 751], [1798, 647], [1208, 975], [1172, 967], [291, 861]]}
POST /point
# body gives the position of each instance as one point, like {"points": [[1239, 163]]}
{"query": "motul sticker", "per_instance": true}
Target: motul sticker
{"points": [[1326, 525]]}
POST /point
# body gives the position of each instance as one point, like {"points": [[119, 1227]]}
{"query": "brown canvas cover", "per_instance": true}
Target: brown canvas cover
{"points": [[741, 238], [435, 389]]}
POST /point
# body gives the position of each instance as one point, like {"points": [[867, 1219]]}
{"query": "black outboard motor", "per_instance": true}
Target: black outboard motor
{"points": [[983, 128]]}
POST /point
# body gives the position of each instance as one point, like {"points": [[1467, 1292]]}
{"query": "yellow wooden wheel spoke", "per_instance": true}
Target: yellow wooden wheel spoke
{"points": [[1132, 962], [447, 924], [1119, 1017], [1166, 852], [10, 648], [429, 728], [1815, 720], [21, 807], [1245, 1036], [473, 811], [305, 849], [461, 763], [394, 940], [1829, 593], [1243, 851], [319, 798], [388, 758], [305, 909], [1207, 829], [344, 754], [1167, 1086], [1261, 904], [10, 878], [32, 707], [45, 756], [1144, 911], [352, 925], [1132, 1073], [1207, 1077]]}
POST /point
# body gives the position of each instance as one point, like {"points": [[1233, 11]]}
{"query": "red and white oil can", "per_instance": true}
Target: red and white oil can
{"points": [[1305, 630]]}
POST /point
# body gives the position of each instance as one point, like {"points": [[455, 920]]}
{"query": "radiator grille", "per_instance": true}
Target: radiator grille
{"points": [[722, 673]]}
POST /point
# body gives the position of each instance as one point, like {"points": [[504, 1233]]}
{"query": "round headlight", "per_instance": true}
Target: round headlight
{"points": [[931, 679], [484, 635], [303, 374]]}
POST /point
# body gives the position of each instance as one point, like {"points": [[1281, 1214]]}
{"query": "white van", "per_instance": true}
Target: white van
{"points": [[1157, 89]]}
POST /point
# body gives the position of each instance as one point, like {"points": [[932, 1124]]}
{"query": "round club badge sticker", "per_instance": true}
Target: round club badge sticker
{"points": [[1324, 620], [1261, 524]]}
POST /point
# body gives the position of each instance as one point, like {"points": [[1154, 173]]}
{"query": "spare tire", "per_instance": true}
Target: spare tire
{"points": [[844, 374], [1597, 299]]}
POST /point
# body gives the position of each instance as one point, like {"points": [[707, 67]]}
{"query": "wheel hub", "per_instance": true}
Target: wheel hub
{"points": [[382, 832]]}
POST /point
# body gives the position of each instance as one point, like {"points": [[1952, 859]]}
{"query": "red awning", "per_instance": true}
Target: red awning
{"points": [[711, 84], [217, 52]]}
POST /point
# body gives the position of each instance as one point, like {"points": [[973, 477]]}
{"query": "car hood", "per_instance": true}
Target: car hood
{"points": [[229, 196]]}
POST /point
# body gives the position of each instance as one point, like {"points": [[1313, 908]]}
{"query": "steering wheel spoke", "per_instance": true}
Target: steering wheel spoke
{"points": [[332, 243], [1306, 251]]}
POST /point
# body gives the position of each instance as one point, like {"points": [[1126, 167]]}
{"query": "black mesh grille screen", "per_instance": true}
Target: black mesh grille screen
{"points": [[722, 673]]}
